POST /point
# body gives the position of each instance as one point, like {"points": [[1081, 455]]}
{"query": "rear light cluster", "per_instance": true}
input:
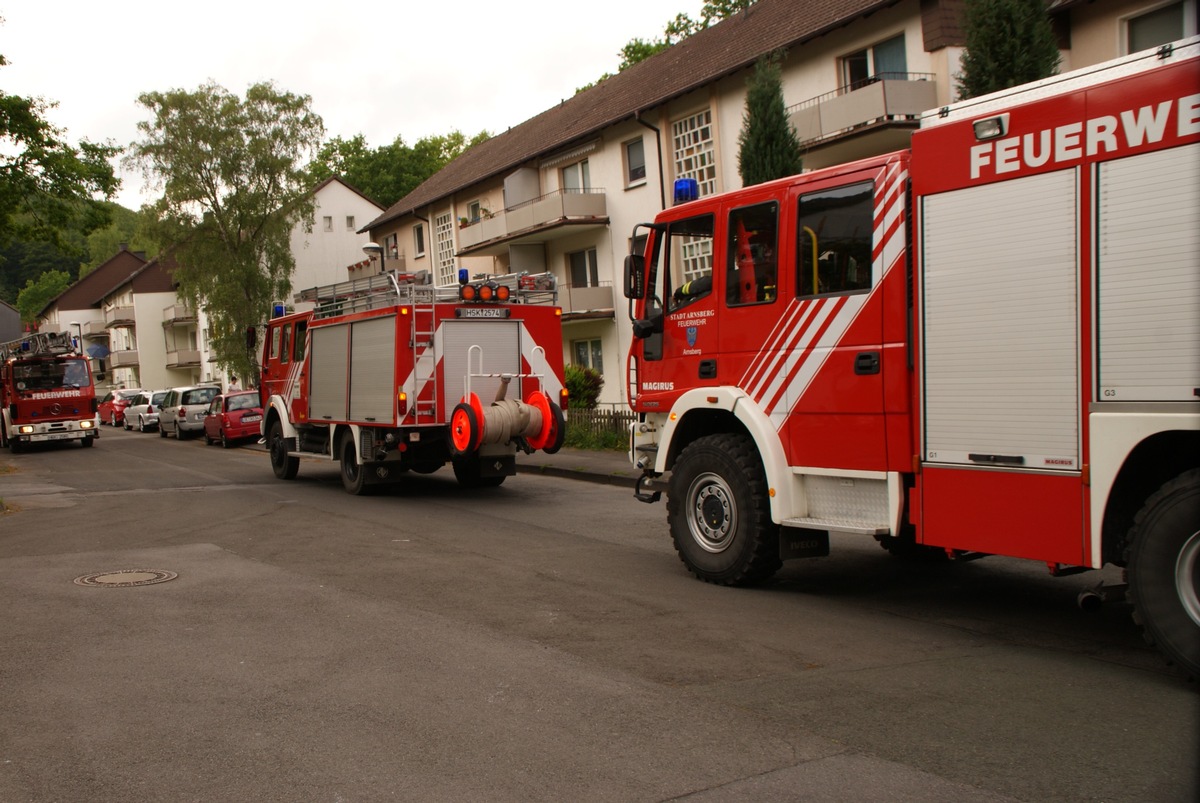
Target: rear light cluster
{"points": [[484, 291]]}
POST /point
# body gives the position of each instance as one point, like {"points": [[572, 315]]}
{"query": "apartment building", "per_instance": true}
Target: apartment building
{"points": [[563, 191]]}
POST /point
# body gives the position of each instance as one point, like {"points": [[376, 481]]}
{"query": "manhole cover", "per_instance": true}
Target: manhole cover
{"points": [[124, 578]]}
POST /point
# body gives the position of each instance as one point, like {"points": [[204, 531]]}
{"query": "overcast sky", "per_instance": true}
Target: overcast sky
{"points": [[382, 69]]}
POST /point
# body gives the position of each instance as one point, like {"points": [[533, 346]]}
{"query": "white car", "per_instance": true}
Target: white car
{"points": [[143, 413]]}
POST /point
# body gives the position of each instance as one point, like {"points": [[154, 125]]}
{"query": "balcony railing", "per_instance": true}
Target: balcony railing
{"points": [[94, 329], [178, 313], [889, 98], [538, 220], [577, 300], [118, 316], [123, 359], [183, 358]]}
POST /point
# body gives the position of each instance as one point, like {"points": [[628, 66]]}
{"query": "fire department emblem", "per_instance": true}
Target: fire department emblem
{"points": [[691, 335]]}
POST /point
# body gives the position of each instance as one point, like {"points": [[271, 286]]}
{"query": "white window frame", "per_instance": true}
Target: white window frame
{"points": [[349, 222], [591, 267], [1190, 27], [595, 353], [418, 241], [630, 179], [328, 221], [849, 84], [694, 150], [581, 172]]}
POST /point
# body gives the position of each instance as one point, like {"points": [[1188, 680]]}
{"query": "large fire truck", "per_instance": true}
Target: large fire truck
{"points": [[387, 374], [46, 392], [988, 344]]}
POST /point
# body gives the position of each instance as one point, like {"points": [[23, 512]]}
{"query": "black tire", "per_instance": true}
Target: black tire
{"points": [[162, 429], [207, 440], [719, 512], [560, 430], [141, 424], [87, 442], [284, 466], [354, 476], [125, 423], [1163, 567], [112, 420], [466, 471], [225, 444]]}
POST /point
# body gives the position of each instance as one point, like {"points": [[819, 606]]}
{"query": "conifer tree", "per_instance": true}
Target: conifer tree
{"points": [[1008, 43], [767, 145]]}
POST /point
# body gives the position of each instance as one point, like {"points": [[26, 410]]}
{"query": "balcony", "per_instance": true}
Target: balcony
{"points": [[94, 330], [118, 316], [546, 218], [892, 101], [178, 314], [183, 358], [586, 303], [123, 359]]}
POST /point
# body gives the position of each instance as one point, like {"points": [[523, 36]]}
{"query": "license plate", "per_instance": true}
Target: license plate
{"points": [[59, 436], [247, 419]]}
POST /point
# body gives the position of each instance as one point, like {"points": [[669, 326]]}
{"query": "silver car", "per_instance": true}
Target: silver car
{"points": [[143, 413], [183, 410]]}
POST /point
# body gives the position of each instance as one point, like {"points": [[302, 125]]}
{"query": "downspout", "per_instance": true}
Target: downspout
{"points": [[662, 189]]}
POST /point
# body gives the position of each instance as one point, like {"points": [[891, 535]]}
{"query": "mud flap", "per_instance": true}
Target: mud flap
{"points": [[797, 542]]}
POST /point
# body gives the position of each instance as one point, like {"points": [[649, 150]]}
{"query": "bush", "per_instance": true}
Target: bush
{"points": [[583, 386]]}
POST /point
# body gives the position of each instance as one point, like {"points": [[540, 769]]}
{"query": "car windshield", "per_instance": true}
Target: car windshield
{"points": [[49, 374]]}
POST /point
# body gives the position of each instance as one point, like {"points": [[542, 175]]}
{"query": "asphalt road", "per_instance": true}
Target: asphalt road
{"points": [[539, 641]]}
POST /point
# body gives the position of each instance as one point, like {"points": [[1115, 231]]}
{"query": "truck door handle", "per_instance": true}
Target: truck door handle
{"points": [[866, 363], [708, 369]]}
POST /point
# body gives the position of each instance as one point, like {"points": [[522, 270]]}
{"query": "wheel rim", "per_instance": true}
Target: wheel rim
{"points": [[711, 513], [1186, 569], [350, 468]]}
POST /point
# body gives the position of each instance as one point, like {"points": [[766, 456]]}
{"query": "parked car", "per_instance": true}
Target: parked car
{"points": [[183, 410], [232, 417], [112, 407], [143, 412]]}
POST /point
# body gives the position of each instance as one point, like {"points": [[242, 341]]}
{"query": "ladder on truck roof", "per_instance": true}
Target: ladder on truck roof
{"points": [[37, 344]]}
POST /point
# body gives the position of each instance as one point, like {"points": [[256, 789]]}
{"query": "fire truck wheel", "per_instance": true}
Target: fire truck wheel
{"points": [[86, 442], [285, 467], [354, 476], [1163, 565], [719, 512], [467, 472]]}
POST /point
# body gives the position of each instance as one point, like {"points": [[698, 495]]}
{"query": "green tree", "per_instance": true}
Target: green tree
{"points": [[46, 184], [38, 292], [390, 172], [234, 184], [767, 145], [1008, 43], [125, 227]]}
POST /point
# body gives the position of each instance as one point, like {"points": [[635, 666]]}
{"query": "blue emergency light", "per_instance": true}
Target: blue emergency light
{"points": [[686, 189], [463, 276], [277, 311]]}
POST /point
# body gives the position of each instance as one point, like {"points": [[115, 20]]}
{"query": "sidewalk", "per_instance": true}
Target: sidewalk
{"points": [[608, 467]]}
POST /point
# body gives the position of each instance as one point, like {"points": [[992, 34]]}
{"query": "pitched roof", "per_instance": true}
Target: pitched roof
{"points": [[114, 270], [697, 61]]}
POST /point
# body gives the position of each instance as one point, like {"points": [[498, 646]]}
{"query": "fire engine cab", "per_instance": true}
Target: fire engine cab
{"points": [[46, 392], [388, 374], [986, 345]]}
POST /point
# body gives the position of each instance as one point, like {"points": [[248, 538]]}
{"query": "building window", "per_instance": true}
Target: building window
{"points": [[833, 248], [694, 152], [635, 161], [350, 222], [588, 354], [328, 220], [576, 177], [584, 272], [443, 233], [418, 240], [1162, 25], [474, 210], [885, 60]]}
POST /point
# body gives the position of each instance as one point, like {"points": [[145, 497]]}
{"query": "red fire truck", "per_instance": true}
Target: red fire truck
{"points": [[46, 392], [388, 374], [986, 345]]}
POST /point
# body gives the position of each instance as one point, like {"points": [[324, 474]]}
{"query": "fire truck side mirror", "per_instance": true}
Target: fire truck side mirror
{"points": [[644, 327], [635, 276]]}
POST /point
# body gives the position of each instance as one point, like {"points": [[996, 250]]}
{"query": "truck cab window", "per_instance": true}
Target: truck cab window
{"points": [[687, 251], [751, 271], [833, 248]]}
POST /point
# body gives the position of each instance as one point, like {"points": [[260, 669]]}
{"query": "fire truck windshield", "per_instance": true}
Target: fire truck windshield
{"points": [[49, 374]]}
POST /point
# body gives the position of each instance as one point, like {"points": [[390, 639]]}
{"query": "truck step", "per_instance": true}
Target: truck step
{"points": [[836, 525]]}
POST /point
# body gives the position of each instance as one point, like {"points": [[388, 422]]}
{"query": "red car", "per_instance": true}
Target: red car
{"points": [[112, 407], [232, 417]]}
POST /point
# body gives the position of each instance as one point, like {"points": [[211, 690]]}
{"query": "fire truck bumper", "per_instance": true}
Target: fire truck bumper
{"points": [[55, 431]]}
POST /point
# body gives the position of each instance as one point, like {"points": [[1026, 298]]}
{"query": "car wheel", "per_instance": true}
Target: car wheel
{"points": [[225, 444], [112, 419], [208, 441], [141, 424], [162, 429], [126, 424]]}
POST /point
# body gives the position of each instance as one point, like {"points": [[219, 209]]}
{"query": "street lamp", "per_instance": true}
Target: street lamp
{"points": [[373, 249]]}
